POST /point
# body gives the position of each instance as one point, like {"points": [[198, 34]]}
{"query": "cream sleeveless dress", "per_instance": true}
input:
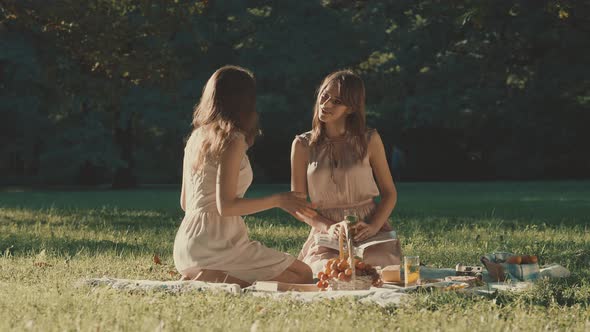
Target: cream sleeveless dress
{"points": [[206, 240], [338, 182]]}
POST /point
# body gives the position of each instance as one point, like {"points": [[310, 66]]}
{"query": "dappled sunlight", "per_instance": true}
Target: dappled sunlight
{"points": [[94, 231], [46, 250], [478, 110]]}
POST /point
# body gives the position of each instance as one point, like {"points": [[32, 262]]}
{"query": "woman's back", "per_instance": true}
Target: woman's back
{"points": [[200, 186], [206, 240], [212, 241]]}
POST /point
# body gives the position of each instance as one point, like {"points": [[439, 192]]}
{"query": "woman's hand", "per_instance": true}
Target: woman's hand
{"points": [[295, 203], [364, 231], [316, 221]]}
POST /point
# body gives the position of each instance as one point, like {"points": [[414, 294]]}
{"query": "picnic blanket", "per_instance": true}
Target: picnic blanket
{"points": [[379, 296], [383, 296], [155, 285]]}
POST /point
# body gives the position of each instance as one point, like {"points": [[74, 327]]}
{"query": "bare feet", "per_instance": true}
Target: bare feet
{"points": [[297, 273], [219, 277]]}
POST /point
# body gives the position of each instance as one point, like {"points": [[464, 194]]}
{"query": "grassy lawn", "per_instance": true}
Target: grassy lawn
{"points": [[115, 233]]}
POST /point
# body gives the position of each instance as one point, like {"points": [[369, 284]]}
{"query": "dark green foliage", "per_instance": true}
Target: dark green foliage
{"points": [[102, 91]]}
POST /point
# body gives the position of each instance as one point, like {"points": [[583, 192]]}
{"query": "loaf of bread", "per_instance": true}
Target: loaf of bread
{"points": [[391, 273]]}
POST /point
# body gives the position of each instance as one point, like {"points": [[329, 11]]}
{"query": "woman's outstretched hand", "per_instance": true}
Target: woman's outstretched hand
{"points": [[295, 203], [364, 231]]}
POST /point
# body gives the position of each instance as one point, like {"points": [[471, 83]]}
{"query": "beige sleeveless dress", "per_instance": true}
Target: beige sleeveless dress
{"points": [[206, 240], [338, 182]]}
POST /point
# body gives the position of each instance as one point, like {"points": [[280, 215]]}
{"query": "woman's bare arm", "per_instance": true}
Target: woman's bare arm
{"points": [[229, 204], [299, 161], [182, 195], [386, 186], [183, 189], [384, 181]]}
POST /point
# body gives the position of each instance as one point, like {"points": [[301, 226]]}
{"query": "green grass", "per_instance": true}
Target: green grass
{"points": [[115, 233]]}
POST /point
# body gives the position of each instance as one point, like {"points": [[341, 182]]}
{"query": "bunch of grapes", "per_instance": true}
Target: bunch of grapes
{"points": [[339, 269]]}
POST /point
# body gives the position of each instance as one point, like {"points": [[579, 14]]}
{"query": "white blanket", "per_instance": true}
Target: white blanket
{"points": [[154, 285], [380, 296]]}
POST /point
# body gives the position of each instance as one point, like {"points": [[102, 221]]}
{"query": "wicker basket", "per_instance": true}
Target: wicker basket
{"points": [[346, 252], [360, 283]]}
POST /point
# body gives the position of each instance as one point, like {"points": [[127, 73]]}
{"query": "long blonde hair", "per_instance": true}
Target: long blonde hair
{"points": [[352, 93], [227, 106]]}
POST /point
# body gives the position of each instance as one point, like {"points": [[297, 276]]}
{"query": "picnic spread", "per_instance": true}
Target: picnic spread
{"points": [[348, 276], [384, 295]]}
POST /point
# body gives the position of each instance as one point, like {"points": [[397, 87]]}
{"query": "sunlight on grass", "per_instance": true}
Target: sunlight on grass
{"points": [[115, 234]]}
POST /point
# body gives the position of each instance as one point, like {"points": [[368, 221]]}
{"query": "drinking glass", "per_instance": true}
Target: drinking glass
{"points": [[412, 270]]}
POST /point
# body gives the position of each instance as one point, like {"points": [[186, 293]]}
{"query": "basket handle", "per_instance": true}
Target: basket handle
{"points": [[341, 240]]}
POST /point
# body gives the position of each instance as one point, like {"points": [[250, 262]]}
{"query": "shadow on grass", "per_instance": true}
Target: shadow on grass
{"points": [[27, 245], [291, 245], [92, 219], [274, 217]]}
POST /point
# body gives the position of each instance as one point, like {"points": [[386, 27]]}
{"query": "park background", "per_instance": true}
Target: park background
{"points": [[483, 107], [102, 92]]}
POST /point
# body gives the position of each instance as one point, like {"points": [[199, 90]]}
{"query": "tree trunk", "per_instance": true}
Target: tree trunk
{"points": [[124, 177]]}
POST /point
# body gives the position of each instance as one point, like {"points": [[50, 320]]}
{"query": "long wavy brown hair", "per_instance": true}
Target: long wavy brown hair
{"points": [[227, 106], [352, 92]]}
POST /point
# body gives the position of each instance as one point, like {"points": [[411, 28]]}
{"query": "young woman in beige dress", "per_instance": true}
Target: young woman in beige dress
{"points": [[212, 242], [337, 163]]}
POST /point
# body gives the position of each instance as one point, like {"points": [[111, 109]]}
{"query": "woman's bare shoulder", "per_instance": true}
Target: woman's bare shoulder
{"points": [[304, 139]]}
